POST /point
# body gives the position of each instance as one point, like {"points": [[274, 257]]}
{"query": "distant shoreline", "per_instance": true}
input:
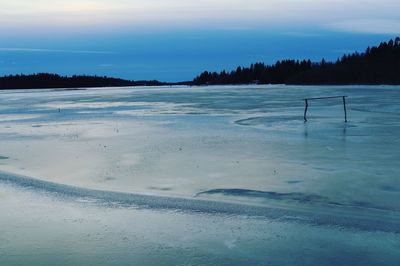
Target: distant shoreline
{"points": [[376, 66], [190, 86]]}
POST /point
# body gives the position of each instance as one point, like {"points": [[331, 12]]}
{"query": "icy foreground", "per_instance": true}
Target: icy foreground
{"points": [[219, 175]]}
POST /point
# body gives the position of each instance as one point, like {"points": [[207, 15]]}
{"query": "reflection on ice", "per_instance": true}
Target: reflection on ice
{"points": [[183, 141]]}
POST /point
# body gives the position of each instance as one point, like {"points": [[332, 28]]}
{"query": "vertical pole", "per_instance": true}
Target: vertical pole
{"points": [[345, 110], [305, 110]]}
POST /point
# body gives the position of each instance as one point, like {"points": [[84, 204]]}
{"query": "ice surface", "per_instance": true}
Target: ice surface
{"points": [[41, 230], [183, 141], [244, 145]]}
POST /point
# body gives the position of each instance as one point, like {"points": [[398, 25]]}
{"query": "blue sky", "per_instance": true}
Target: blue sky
{"points": [[174, 40]]}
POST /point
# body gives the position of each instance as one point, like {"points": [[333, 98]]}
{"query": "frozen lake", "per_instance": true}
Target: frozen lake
{"points": [[219, 174]]}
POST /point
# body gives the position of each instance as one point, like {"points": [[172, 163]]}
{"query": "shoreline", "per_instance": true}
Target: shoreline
{"points": [[200, 86]]}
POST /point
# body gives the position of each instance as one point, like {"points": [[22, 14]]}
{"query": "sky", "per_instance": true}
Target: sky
{"points": [[174, 40]]}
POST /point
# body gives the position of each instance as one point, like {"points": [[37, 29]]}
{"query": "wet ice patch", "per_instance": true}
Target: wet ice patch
{"points": [[390, 188], [17, 117], [84, 105], [109, 178], [160, 188], [269, 120], [159, 108], [288, 197], [300, 197], [292, 182]]}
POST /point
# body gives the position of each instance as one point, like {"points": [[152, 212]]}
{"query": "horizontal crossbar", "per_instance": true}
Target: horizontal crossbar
{"points": [[321, 98]]}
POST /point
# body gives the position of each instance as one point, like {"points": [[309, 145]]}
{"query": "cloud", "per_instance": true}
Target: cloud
{"points": [[62, 16], [371, 26], [236, 28], [37, 50], [300, 34]]}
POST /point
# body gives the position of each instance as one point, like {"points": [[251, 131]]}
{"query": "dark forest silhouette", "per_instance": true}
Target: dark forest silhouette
{"points": [[44, 80], [377, 65]]}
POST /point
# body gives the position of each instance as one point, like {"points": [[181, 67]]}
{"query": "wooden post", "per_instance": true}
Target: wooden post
{"points": [[345, 110], [305, 110]]}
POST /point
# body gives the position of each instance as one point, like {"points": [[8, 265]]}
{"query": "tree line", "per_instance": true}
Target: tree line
{"points": [[377, 65], [45, 80]]}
